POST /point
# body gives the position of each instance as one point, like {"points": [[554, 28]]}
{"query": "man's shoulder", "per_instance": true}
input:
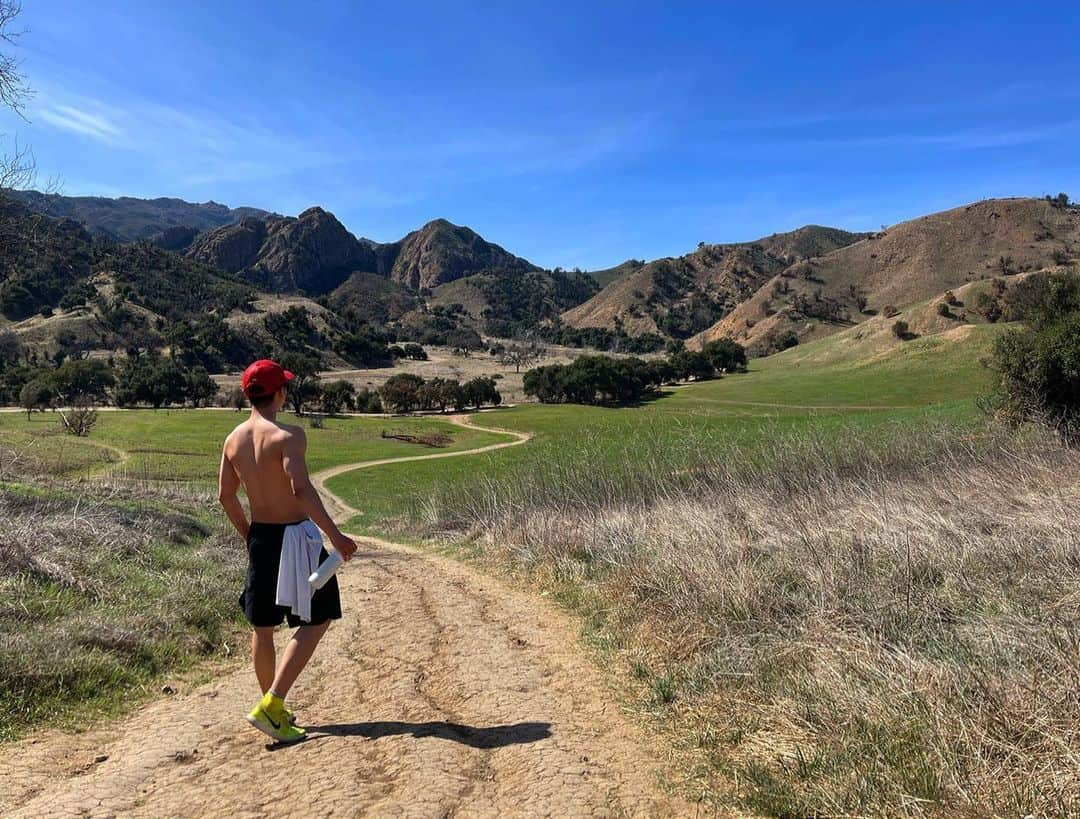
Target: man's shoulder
{"points": [[237, 431], [292, 431]]}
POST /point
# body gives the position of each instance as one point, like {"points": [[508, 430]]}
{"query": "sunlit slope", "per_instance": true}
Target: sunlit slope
{"points": [[866, 366]]}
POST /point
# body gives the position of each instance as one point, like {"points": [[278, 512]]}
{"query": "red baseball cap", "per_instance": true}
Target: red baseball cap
{"points": [[264, 377]]}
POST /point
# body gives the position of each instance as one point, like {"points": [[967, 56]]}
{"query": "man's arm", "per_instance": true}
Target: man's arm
{"points": [[295, 465], [228, 484]]}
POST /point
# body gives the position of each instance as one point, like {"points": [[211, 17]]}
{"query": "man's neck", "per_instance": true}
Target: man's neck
{"points": [[268, 413]]}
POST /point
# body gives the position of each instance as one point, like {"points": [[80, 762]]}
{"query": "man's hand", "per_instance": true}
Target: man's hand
{"points": [[344, 545]]}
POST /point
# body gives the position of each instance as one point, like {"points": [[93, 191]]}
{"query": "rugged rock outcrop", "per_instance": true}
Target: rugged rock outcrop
{"points": [[442, 252], [312, 253]]}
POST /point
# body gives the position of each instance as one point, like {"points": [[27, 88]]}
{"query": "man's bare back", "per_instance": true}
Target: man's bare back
{"points": [[256, 451]]}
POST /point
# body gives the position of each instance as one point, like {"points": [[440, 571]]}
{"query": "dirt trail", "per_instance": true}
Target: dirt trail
{"points": [[442, 693]]}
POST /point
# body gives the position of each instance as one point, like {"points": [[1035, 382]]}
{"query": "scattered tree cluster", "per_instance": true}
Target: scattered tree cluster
{"points": [[158, 381], [600, 379], [600, 338], [407, 392]]}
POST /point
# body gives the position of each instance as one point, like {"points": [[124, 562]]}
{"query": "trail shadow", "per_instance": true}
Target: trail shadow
{"points": [[497, 736]]}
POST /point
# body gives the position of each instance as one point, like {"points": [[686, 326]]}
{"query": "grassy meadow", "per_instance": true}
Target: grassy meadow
{"points": [[185, 446], [832, 582], [924, 382]]}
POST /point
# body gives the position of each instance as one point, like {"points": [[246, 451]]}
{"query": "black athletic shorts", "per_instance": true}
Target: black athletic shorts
{"points": [[260, 589]]}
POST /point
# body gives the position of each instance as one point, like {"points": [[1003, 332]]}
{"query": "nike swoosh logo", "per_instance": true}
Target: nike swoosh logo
{"points": [[277, 725]]}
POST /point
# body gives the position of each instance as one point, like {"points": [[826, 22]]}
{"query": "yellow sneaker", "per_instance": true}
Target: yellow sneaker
{"points": [[275, 724]]}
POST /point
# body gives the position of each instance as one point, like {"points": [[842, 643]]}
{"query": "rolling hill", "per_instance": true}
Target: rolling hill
{"points": [[681, 296], [128, 219], [909, 262]]}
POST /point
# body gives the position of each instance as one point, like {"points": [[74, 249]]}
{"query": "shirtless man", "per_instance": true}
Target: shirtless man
{"points": [[267, 458]]}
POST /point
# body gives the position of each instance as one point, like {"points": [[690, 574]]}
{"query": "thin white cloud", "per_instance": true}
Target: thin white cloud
{"points": [[81, 121]]}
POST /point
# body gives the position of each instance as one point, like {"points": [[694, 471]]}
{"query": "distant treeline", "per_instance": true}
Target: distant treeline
{"points": [[151, 380], [600, 379], [407, 392], [600, 338]]}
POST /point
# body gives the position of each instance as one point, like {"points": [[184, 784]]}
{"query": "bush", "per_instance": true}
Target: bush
{"points": [[988, 307], [78, 420], [901, 330], [943, 310], [1038, 367], [236, 399]]}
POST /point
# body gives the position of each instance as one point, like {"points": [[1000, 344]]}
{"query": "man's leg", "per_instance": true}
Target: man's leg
{"points": [[262, 656], [296, 656]]}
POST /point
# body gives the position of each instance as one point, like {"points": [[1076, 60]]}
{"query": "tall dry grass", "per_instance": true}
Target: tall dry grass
{"points": [[103, 588], [829, 625]]}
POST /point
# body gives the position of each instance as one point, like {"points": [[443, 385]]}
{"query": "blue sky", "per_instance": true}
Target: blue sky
{"points": [[575, 134]]}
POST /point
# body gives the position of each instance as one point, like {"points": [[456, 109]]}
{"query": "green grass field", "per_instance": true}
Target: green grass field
{"points": [[816, 387], [184, 445], [925, 381]]}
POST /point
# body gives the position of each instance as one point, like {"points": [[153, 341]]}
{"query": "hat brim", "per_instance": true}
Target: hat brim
{"points": [[288, 376]]}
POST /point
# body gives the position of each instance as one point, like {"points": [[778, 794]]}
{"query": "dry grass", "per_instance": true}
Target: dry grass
{"points": [[102, 589], [865, 630]]}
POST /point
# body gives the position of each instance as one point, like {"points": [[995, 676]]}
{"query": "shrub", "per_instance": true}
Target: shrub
{"points": [[900, 329], [1039, 374], [78, 420], [988, 307], [236, 399], [943, 310], [889, 311]]}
